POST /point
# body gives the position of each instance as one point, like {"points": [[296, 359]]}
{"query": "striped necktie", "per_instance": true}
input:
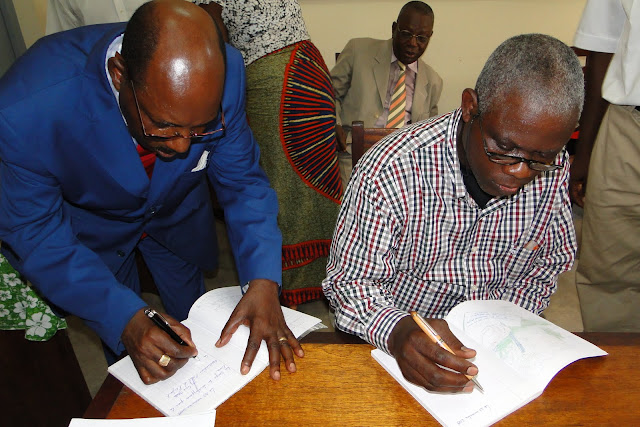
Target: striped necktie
{"points": [[398, 101]]}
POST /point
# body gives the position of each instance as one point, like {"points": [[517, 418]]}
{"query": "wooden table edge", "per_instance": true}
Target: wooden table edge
{"points": [[111, 387]]}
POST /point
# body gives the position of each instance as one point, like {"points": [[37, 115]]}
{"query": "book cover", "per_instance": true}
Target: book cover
{"points": [[214, 375], [518, 353]]}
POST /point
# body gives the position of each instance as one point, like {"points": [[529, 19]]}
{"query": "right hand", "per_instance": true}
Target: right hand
{"points": [[341, 138], [146, 343], [578, 180], [418, 357]]}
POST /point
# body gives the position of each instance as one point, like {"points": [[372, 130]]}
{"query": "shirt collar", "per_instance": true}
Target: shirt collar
{"points": [[413, 66], [114, 47]]}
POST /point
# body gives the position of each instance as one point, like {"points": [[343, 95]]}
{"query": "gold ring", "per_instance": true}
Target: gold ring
{"points": [[164, 360], [283, 340]]}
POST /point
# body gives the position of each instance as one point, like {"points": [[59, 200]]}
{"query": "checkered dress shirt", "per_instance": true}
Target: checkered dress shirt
{"points": [[410, 237]]}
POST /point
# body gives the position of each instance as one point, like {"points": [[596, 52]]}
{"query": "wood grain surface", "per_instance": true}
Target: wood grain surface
{"points": [[341, 385]]}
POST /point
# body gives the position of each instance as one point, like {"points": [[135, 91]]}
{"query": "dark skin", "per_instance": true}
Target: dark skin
{"points": [[407, 51], [417, 23], [594, 108], [519, 131], [181, 92]]}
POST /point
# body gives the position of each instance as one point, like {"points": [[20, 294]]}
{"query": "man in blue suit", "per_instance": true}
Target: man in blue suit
{"points": [[107, 138]]}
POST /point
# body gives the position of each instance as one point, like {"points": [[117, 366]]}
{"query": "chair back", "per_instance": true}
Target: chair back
{"points": [[363, 138]]}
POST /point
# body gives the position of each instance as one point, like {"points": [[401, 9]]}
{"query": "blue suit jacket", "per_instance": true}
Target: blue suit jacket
{"points": [[75, 198]]}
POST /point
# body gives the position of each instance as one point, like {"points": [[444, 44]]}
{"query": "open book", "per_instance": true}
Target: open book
{"points": [[518, 353], [214, 375]]}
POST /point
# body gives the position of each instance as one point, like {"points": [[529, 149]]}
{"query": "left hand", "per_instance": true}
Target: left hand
{"points": [[260, 310]]}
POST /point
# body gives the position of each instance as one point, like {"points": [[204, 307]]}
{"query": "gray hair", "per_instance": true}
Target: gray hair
{"points": [[542, 69]]}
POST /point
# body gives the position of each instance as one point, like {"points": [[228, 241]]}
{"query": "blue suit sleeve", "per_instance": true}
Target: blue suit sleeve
{"points": [[242, 188], [39, 242]]}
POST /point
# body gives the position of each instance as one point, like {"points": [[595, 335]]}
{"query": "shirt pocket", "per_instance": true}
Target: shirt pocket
{"points": [[521, 257]]}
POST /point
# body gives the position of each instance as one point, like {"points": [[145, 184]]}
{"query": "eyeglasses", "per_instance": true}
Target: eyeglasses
{"points": [[175, 134], [503, 159], [405, 36]]}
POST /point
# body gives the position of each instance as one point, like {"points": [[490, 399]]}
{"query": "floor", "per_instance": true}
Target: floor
{"points": [[564, 311]]}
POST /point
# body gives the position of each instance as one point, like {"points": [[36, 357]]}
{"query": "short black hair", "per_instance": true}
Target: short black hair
{"points": [[418, 6], [140, 42]]}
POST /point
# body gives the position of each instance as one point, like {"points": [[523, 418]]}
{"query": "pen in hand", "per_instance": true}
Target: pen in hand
{"points": [[162, 323], [437, 339]]}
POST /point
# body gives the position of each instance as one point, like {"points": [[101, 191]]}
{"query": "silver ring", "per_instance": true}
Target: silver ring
{"points": [[164, 360]]}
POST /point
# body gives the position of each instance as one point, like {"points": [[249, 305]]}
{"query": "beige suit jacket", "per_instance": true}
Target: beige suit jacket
{"points": [[360, 78]]}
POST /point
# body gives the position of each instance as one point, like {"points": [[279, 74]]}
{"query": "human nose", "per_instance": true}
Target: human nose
{"points": [[521, 171], [180, 144], [413, 40]]}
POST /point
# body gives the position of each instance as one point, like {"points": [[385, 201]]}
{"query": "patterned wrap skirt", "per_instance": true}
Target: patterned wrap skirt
{"points": [[291, 111]]}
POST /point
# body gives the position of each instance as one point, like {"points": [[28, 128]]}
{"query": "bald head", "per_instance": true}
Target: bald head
{"points": [[170, 76], [174, 36]]}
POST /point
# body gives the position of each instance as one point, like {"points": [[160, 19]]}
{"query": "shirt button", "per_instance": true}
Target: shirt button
{"points": [[120, 253], [474, 288], [474, 249], [152, 210]]}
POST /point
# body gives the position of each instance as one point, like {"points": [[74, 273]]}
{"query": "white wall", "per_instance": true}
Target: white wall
{"points": [[465, 32]]}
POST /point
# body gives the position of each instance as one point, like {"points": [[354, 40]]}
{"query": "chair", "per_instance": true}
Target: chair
{"points": [[363, 138]]}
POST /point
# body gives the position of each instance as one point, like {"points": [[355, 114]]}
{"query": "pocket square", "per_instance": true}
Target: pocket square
{"points": [[202, 163]]}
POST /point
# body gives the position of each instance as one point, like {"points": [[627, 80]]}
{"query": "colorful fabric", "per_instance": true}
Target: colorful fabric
{"points": [[308, 121], [259, 27], [398, 103], [22, 308], [410, 237], [291, 113]]}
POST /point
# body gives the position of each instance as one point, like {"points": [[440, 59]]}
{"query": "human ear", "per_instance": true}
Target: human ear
{"points": [[117, 70], [469, 104]]}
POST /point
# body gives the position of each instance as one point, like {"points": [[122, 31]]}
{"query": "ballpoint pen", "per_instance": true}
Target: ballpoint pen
{"points": [[162, 323], [436, 338]]}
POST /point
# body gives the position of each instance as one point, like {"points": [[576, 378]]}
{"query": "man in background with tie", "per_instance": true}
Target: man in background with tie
{"points": [[384, 83]]}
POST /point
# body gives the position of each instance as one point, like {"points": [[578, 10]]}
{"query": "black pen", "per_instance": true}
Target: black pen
{"points": [[162, 323]]}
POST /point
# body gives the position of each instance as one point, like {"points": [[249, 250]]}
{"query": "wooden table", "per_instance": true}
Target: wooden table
{"points": [[338, 383]]}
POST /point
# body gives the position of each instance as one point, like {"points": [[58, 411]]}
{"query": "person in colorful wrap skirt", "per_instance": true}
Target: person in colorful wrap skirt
{"points": [[290, 107]]}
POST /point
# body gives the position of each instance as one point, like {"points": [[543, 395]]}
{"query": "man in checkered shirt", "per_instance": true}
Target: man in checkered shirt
{"points": [[469, 205]]}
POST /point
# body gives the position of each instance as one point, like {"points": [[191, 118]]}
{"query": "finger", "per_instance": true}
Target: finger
{"points": [[229, 329], [253, 345], [274, 345], [451, 340], [286, 351], [170, 366], [166, 345], [434, 378], [182, 331], [294, 344]]}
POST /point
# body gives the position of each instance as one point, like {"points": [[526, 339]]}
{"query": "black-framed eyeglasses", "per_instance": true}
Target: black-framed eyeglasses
{"points": [[175, 134], [504, 159], [406, 36]]}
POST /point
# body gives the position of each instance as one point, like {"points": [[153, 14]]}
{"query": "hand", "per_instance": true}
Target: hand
{"points": [[577, 191], [341, 138], [578, 180], [146, 343], [260, 310], [418, 357]]}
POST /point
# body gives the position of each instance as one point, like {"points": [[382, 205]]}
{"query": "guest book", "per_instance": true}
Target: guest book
{"points": [[208, 380], [518, 353]]}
